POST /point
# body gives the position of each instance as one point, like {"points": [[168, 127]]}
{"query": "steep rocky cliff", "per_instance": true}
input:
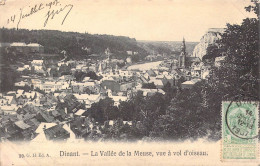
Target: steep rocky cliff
{"points": [[212, 35]]}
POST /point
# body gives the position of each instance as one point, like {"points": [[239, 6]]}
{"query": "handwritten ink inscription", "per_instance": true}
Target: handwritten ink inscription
{"points": [[2, 2], [53, 8]]}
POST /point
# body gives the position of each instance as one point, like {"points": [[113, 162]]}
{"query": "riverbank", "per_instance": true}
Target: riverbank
{"points": [[145, 66]]}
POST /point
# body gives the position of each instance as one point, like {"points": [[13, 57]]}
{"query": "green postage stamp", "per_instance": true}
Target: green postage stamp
{"points": [[239, 131]]}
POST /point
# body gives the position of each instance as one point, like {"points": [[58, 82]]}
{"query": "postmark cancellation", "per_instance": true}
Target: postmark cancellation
{"points": [[239, 131]]}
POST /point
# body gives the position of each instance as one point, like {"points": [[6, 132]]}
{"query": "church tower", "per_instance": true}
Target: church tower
{"points": [[182, 57]]}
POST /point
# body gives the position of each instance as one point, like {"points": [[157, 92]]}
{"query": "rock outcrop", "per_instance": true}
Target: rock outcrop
{"points": [[210, 38]]}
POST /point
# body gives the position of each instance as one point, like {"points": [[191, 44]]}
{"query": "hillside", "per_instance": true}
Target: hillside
{"points": [[80, 45], [76, 44], [170, 47]]}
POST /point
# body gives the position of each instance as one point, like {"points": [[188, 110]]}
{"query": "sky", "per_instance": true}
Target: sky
{"points": [[156, 20]]}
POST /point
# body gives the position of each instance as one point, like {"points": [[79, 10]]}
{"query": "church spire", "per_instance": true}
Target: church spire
{"points": [[183, 47], [182, 57]]}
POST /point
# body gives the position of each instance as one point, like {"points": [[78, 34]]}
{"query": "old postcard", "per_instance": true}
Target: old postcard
{"points": [[129, 82]]}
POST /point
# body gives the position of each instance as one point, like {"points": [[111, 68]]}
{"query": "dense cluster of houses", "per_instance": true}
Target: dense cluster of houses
{"points": [[33, 114]]}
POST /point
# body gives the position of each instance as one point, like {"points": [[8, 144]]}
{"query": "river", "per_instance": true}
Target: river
{"points": [[145, 66]]}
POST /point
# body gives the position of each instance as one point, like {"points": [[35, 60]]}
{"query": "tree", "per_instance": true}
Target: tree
{"points": [[212, 52], [126, 110], [154, 106], [92, 75], [79, 75], [104, 110], [170, 91], [64, 70], [239, 73], [74, 43]]}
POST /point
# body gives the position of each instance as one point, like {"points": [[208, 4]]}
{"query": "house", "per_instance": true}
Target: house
{"points": [[151, 57], [9, 109], [151, 73], [51, 86], [29, 108], [25, 116], [30, 95], [56, 133], [143, 80], [87, 98], [7, 100], [27, 67], [72, 137], [44, 117], [37, 63], [24, 129], [10, 132], [40, 131], [36, 83], [128, 123], [189, 84], [162, 78], [21, 84], [38, 69], [158, 83], [19, 92], [22, 125], [81, 127], [66, 77], [162, 68], [125, 73], [20, 69], [34, 123], [56, 115], [63, 114], [80, 87], [149, 92]]}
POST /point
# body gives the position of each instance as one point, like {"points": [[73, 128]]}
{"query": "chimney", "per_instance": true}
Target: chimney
{"points": [[6, 130], [66, 110]]}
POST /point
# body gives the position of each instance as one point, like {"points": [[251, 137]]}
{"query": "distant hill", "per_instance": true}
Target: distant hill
{"points": [[82, 45], [171, 47], [76, 44]]}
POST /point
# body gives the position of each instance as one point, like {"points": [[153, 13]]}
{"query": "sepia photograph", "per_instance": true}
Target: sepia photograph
{"points": [[129, 82]]}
